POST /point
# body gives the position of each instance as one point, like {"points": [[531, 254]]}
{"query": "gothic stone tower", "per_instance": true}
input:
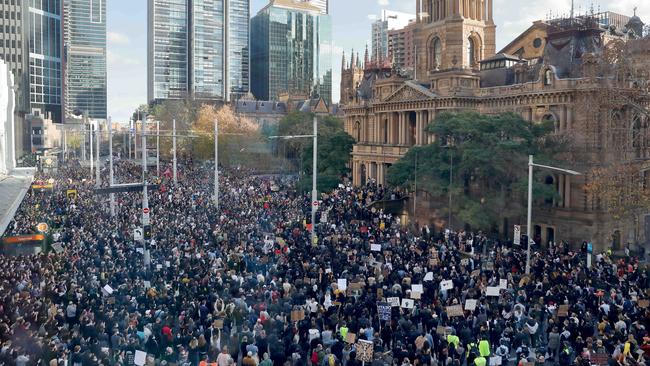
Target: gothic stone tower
{"points": [[351, 75], [453, 34]]}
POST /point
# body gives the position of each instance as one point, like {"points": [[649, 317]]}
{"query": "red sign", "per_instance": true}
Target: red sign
{"points": [[315, 203], [145, 210]]}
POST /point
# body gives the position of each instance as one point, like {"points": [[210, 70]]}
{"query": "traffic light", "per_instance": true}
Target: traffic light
{"points": [[147, 232]]}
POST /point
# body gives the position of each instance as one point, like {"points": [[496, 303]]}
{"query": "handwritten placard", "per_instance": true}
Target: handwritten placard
{"points": [[492, 291], [470, 304], [447, 285], [393, 301], [455, 310]]}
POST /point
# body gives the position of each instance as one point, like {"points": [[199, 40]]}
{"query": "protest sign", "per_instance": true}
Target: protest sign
{"points": [[140, 358], [107, 290], [364, 351], [428, 276], [492, 291], [408, 303], [380, 293], [342, 284], [470, 304], [375, 247], [393, 301], [384, 311], [447, 285], [563, 311], [599, 359], [417, 288], [495, 361], [350, 338], [455, 310], [644, 303], [218, 324], [503, 284], [416, 295]]}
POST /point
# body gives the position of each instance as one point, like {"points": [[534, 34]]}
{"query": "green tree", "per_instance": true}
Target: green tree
{"points": [[489, 155], [334, 148]]}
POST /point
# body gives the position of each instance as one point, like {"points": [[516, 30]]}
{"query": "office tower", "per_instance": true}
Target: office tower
{"points": [[198, 49], [12, 50], [84, 37], [44, 28], [401, 47], [322, 5], [291, 51], [389, 20]]}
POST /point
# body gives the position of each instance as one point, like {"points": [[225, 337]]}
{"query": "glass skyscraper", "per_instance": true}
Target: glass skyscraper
{"points": [[198, 49], [44, 34], [84, 31], [291, 51]]}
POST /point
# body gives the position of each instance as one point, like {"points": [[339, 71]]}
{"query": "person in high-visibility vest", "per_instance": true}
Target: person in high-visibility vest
{"points": [[484, 348], [343, 331], [470, 347], [453, 339], [480, 361]]}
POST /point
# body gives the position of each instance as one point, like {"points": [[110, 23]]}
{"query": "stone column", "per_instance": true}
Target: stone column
{"points": [[400, 129], [490, 10], [569, 118], [567, 191]]}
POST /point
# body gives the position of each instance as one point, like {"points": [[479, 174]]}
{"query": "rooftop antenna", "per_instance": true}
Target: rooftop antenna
{"points": [[572, 7]]}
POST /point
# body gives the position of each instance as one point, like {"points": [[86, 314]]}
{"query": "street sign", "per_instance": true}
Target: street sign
{"points": [[517, 236], [315, 203], [145, 210], [138, 234]]}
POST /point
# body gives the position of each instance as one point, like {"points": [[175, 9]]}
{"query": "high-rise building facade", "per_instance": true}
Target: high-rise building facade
{"points": [[44, 33], [322, 5], [389, 20], [292, 51], [401, 48], [198, 49], [12, 49], [84, 34]]}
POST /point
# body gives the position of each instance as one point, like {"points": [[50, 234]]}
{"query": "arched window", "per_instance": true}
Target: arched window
{"points": [[435, 54], [618, 131], [548, 77], [471, 51], [385, 131], [357, 130], [637, 137], [550, 117]]}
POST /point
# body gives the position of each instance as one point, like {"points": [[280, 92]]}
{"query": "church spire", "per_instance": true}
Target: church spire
{"points": [[343, 61], [353, 61], [366, 58]]}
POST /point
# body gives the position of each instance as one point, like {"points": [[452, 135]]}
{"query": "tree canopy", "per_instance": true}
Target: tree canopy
{"points": [[334, 148], [489, 154]]}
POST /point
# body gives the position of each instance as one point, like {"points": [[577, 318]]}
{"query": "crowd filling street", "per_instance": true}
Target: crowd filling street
{"points": [[245, 284]]}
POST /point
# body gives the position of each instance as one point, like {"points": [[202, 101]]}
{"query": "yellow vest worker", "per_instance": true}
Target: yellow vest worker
{"points": [[453, 339], [484, 348], [470, 346], [344, 332], [480, 361]]}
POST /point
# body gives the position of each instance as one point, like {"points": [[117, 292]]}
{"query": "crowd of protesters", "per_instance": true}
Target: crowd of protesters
{"points": [[245, 284]]}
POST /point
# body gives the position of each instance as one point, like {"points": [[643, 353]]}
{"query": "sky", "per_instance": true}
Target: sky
{"points": [[351, 23]]}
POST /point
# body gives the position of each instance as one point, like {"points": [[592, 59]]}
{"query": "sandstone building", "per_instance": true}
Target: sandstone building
{"points": [[553, 72]]}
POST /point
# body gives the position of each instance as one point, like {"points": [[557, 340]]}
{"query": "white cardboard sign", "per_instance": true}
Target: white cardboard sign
{"points": [[447, 285]]}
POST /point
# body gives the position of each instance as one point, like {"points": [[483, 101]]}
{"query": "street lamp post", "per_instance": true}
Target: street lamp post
{"points": [[314, 191], [97, 161], [531, 164], [216, 163], [110, 164], [174, 149]]}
